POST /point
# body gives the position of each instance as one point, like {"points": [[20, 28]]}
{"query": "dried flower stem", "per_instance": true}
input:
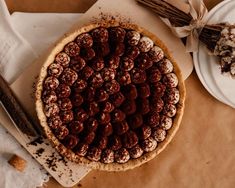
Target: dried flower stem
{"points": [[209, 35], [164, 9]]}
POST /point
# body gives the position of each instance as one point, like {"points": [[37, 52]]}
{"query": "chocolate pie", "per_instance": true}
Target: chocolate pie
{"points": [[110, 96]]}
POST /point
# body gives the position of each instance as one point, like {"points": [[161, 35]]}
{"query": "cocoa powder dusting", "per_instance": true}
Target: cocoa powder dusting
{"points": [[37, 141], [39, 152], [34, 87], [60, 175], [104, 18]]}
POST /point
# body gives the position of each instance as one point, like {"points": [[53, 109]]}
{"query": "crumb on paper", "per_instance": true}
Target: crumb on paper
{"points": [[18, 162]]}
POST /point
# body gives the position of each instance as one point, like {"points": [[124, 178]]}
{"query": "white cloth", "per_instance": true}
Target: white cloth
{"points": [[33, 176], [15, 52], [22, 39]]}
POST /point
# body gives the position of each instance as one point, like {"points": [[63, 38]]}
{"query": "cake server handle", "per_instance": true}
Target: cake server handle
{"points": [[14, 109]]}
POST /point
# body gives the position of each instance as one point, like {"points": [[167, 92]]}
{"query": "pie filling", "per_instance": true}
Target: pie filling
{"points": [[111, 95]]}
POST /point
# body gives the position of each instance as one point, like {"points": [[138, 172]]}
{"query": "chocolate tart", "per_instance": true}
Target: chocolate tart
{"points": [[110, 96]]}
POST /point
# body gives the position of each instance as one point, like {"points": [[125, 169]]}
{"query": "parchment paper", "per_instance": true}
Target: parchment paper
{"points": [[202, 153]]}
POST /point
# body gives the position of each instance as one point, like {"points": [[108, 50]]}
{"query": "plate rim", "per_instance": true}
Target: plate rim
{"points": [[218, 95]]}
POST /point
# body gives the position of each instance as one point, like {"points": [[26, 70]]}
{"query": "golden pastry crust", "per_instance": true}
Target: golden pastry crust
{"points": [[132, 163]]}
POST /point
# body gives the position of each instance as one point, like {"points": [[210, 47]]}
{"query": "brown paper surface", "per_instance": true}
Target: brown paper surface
{"points": [[49, 5], [201, 154]]}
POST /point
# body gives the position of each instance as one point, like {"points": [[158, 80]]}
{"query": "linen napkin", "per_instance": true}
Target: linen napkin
{"points": [[15, 52], [24, 37]]}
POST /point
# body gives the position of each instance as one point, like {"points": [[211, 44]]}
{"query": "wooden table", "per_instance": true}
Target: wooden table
{"points": [[207, 111]]}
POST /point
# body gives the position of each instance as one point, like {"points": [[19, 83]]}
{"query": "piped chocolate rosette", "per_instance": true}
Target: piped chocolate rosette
{"points": [[111, 96]]}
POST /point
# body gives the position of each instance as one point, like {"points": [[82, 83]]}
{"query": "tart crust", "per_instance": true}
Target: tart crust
{"points": [[82, 160]]}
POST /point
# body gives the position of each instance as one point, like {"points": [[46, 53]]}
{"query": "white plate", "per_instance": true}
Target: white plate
{"points": [[207, 67]]}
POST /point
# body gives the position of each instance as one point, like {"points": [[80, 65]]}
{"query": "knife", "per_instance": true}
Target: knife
{"points": [[14, 109]]}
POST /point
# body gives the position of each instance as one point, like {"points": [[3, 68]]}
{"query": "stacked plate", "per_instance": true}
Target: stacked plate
{"points": [[207, 66]]}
